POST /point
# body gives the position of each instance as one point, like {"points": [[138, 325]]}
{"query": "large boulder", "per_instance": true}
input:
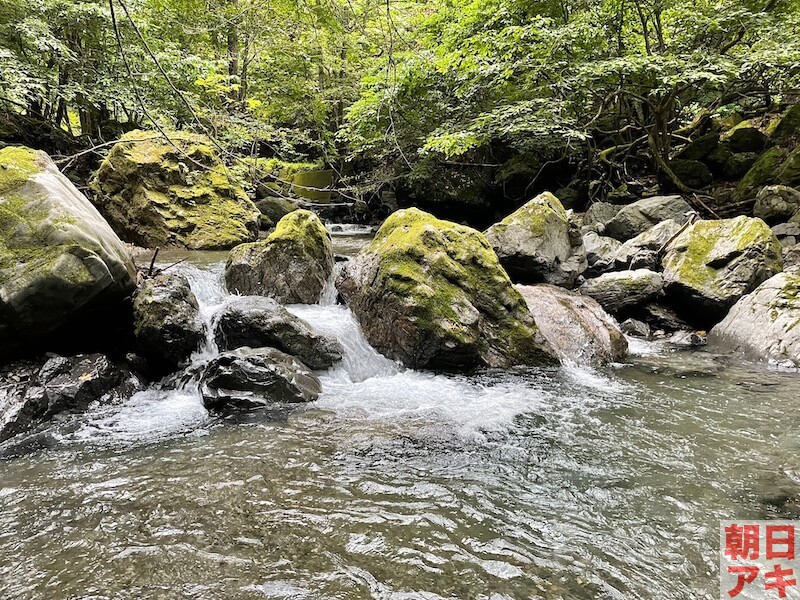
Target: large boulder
{"points": [[432, 294], [256, 322], [248, 379], [692, 173], [62, 268], [159, 193], [598, 215], [640, 216], [777, 203], [273, 209], [621, 291], [576, 326], [290, 266], [534, 243], [642, 252], [763, 323], [760, 174], [714, 263], [745, 138], [33, 393], [600, 252], [166, 321]]}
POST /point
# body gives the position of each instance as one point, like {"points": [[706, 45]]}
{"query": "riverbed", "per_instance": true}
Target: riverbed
{"points": [[570, 482]]}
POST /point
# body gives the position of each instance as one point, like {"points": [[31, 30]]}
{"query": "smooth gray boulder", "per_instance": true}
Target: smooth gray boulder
{"points": [[763, 324], [536, 243], [256, 322], [640, 216], [61, 265], [623, 290], [598, 215], [247, 379], [291, 266], [31, 393], [642, 252], [600, 253], [777, 203], [576, 326], [167, 323], [432, 294], [714, 263]]}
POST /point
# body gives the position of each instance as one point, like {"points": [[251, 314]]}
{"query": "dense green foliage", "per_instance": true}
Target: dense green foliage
{"points": [[391, 92]]}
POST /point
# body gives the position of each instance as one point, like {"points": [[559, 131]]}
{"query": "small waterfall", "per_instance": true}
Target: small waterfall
{"points": [[329, 293]]}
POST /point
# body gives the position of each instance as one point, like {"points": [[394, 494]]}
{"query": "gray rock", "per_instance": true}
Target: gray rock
{"points": [[658, 316], [777, 203], [61, 264], [536, 243], [166, 321], [31, 394], [788, 234], [642, 252], [273, 209], [256, 322], [576, 326], [247, 379], [687, 339], [635, 328], [290, 266], [763, 324], [640, 216], [598, 215], [600, 253], [714, 263], [432, 294], [623, 290]]}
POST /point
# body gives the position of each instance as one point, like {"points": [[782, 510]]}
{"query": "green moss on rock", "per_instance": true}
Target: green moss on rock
{"points": [[760, 174], [157, 193], [17, 164]]}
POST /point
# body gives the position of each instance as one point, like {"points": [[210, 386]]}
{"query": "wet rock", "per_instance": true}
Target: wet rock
{"points": [[31, 393], [290, 266], [640, 216], [256, 321], [688, 339], [635, 328], [642, 252], [156, 193], [600, 252], [166, 321], [777, 203], [763, 323], [534, 243], [576, 326], [623, 290], [432, 294], [714, 263], [248, 379], [598, 215], [62, 269]]}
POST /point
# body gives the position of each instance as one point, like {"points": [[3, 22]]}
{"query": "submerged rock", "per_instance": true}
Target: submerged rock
{"points": [[623, 290], [642, 252], [156, 193], [432, 294], [640, 216], [61, 265], [575, 326], [764, 323], [256, 322], [248, 379], [714, 263], [31, 394], [534, 243], [167, 321], [290, 266]]}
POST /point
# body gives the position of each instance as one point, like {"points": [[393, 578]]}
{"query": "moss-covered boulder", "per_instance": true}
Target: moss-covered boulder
{"points": [[692, 173], [700, 147], [432, 294], [575, 326], [760, 174], [290, 266], [789, 125], [789, 170], [714, 263], [764, 324], [744, 137], [273, 209], [534, 243], [156, 193], [61, 265], [738, 165]]}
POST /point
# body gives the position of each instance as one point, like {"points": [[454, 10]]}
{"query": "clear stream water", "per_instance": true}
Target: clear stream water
{"points": [[538, 483]]}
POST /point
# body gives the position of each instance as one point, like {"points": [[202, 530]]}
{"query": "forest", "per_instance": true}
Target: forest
{"points": [[471, 106]]}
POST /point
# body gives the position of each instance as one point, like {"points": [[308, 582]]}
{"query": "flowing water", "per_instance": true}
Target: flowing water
{"points": [[531, 483]]}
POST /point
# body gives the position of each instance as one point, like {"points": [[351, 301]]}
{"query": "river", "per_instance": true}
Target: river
{"points": [[533, 483]]}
